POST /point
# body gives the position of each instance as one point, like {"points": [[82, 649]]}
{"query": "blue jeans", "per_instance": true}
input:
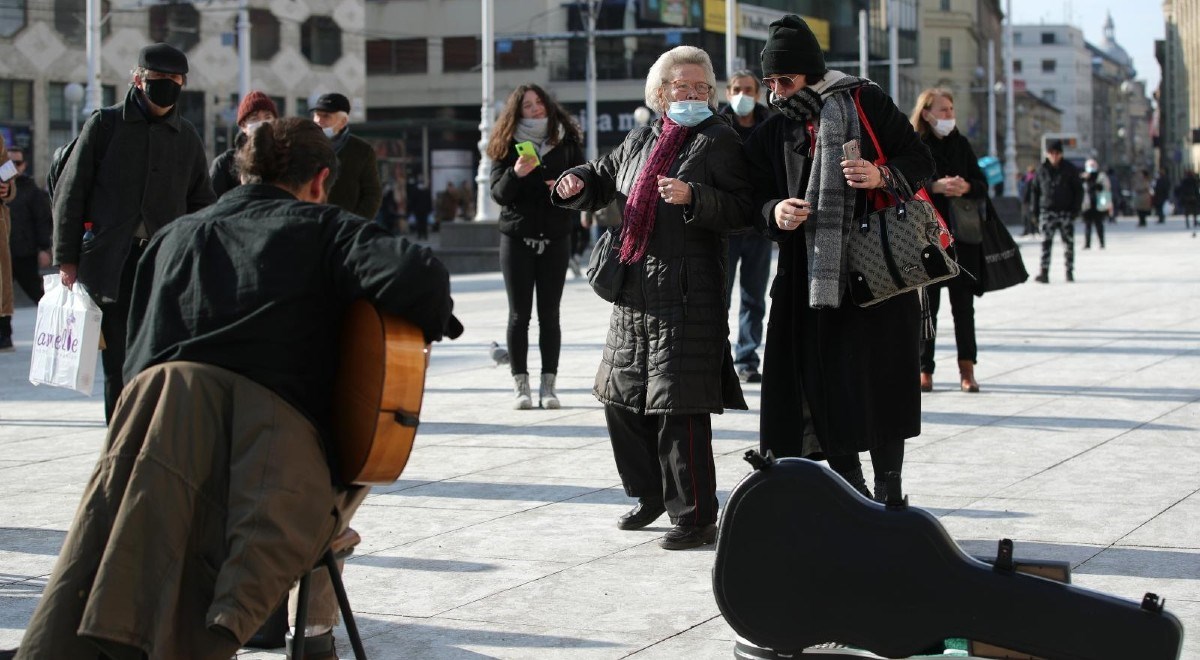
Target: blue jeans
{"points": [[754, 251]]}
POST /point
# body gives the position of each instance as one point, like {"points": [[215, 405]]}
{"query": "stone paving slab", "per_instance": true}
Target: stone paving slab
{"points": [[499, 541]]}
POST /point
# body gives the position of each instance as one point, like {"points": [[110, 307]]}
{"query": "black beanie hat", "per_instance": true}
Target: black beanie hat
{"points": [[1055, 145], [792, 48]]}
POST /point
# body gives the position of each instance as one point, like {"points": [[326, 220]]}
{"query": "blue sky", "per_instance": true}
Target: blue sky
{"points": [[1137, 24]]}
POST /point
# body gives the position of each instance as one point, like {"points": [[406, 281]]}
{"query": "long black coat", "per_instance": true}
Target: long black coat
{"points": [[847, 374], [357, 188], [525, 208], [151, 172], [953, 156], [668, 350], [30, 215]]}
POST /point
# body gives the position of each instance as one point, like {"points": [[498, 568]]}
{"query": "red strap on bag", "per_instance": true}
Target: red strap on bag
{"points": [[877, 198]]}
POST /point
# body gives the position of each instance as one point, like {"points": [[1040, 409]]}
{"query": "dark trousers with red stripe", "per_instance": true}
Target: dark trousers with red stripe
{"points": [[667, 456]]}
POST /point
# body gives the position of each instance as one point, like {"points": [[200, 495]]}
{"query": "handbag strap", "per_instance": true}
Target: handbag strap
{"points": [[862, 120]]}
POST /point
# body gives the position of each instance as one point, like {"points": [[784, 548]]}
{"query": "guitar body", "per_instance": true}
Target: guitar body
{"points": [[803, 559], [377, 396]]}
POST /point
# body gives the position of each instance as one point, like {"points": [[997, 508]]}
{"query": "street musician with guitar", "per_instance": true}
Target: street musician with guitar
{"points": [[214, 492]]}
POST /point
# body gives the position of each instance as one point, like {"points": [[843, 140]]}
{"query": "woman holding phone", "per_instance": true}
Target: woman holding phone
{"points": [[534, 141]]}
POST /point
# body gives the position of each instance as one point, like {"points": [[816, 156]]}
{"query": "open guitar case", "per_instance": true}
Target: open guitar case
{"points": [[802, 560]]}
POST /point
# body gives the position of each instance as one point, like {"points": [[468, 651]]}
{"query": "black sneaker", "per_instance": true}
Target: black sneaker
{"points": [[6, 345], [1070, 277], [682, 537], [1043, 278], [748, 374]]}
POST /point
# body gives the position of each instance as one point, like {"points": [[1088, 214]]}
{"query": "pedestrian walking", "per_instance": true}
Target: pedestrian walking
{"points": [[254, 109], [446, 206], [1162, 192], [215, 464], [1026, 187], [1187, 200], [535, 235], [1097, 202], [1142, 195], [31, 227], [748, 248], [958, 177], [420, 205], [8, 191], [1057, 198], [357, 188], [838, 379], [126, 181], [667, 365]]}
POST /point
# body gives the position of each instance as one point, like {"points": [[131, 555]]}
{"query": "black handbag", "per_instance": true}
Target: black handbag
{"points": [[966, 217], [1002, 263], [896, 250], [605, 272]]}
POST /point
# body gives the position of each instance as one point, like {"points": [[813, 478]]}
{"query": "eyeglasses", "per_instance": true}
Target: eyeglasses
{"points": [[684, 87], [784, 82]]}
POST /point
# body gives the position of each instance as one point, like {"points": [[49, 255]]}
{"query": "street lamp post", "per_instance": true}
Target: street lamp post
{"points": [[73, 95], [483, 200], [1010, 133]]}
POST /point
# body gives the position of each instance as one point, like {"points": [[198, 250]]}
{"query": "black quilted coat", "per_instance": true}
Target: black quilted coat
{"points": [[668, 350]]}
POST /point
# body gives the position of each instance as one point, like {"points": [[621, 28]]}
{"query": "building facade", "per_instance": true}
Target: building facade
{"points": [[1056, 65], [424, 80], [1121, 113], [299, 48], [1034, 118], [955, 35], [1179, 94]]}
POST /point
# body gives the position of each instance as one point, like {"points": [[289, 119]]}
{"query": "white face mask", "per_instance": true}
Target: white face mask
{"points": [[942, 126], [741, 104], [249, 128], [328, 131]]}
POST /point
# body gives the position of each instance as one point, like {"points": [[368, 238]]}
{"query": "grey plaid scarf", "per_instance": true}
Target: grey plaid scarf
{"points": [[828, 228]]}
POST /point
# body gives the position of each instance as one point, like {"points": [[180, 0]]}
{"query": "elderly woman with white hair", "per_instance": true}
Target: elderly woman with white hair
{"points": [[682, 185]]}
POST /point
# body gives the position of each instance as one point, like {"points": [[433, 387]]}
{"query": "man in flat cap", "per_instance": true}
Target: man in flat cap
{"points": [[1057, 197], [357, 188], [136, 167]]}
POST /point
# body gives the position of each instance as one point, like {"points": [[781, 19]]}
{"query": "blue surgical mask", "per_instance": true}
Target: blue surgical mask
{"points": [[689, 113], [741, 104]]}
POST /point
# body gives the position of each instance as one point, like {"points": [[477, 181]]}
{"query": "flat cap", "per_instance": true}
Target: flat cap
{"points": [[332, 102], [164, 58], [1055, 145]]}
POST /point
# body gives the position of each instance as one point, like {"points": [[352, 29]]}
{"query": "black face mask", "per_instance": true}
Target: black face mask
{"points": [[162, 92]]}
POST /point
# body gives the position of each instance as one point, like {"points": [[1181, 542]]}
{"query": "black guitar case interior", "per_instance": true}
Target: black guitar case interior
{"points": [[802, 559]]}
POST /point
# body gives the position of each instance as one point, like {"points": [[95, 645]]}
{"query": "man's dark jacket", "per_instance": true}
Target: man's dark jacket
{"points": [[258, 283], [223, 171], [31, 223], [1057, 189], [153, 172], [357, 188], [761, 114]]}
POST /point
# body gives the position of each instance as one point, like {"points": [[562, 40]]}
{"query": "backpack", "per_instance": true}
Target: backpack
{"points": [[59, 159]]}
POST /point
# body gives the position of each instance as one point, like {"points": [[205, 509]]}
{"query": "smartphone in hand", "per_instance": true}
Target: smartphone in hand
{"points": [[7, 171], [526, 148], [851, 150]]}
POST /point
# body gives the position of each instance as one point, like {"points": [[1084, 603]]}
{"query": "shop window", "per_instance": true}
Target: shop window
{"points": [[321, 40], [395, 56], [70, 21], [175, 24], [12, 17], [460, 53], [264, 34]]}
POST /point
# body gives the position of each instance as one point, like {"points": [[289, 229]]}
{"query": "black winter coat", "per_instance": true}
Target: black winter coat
{"points": [[223, 172], [668, 349], [151, 172], [846, 374], [953, 156], [357, 188], [1057, 189], [525, 208], [30, 215]]}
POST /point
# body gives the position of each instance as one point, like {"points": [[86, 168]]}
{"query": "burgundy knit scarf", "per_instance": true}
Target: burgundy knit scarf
{"points": [[642, 204]]}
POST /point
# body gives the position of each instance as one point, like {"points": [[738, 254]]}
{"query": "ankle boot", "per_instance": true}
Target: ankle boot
{"points": [[926, 381], [6, 344], [857, 481], [547, 397], [966, 372], [521, 388]]}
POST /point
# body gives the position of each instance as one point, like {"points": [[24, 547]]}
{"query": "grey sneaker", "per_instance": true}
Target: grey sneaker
{"points": [[521, 388], [748, 374], [547, 397]]}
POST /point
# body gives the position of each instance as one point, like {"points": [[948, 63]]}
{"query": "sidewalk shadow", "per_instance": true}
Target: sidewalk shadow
{"points": [[1043, 423], [31, 540], [418, 640], [1179, 394]]}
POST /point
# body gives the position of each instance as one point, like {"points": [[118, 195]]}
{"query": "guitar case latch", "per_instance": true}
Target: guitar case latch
{"points": [[1152, 603], [1004, 557], [759, 461], [406, 419]]}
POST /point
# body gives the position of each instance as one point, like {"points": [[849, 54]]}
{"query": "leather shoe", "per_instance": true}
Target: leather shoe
{"points": [[317, 647], [646, 512], [926, 382], [682, 537]]}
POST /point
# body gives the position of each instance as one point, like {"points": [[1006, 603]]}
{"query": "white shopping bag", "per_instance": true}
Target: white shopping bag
{"points": [[66, 338]]}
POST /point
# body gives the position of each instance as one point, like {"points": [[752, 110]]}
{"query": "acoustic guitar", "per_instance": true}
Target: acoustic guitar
{"points": [[377, 396]]}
